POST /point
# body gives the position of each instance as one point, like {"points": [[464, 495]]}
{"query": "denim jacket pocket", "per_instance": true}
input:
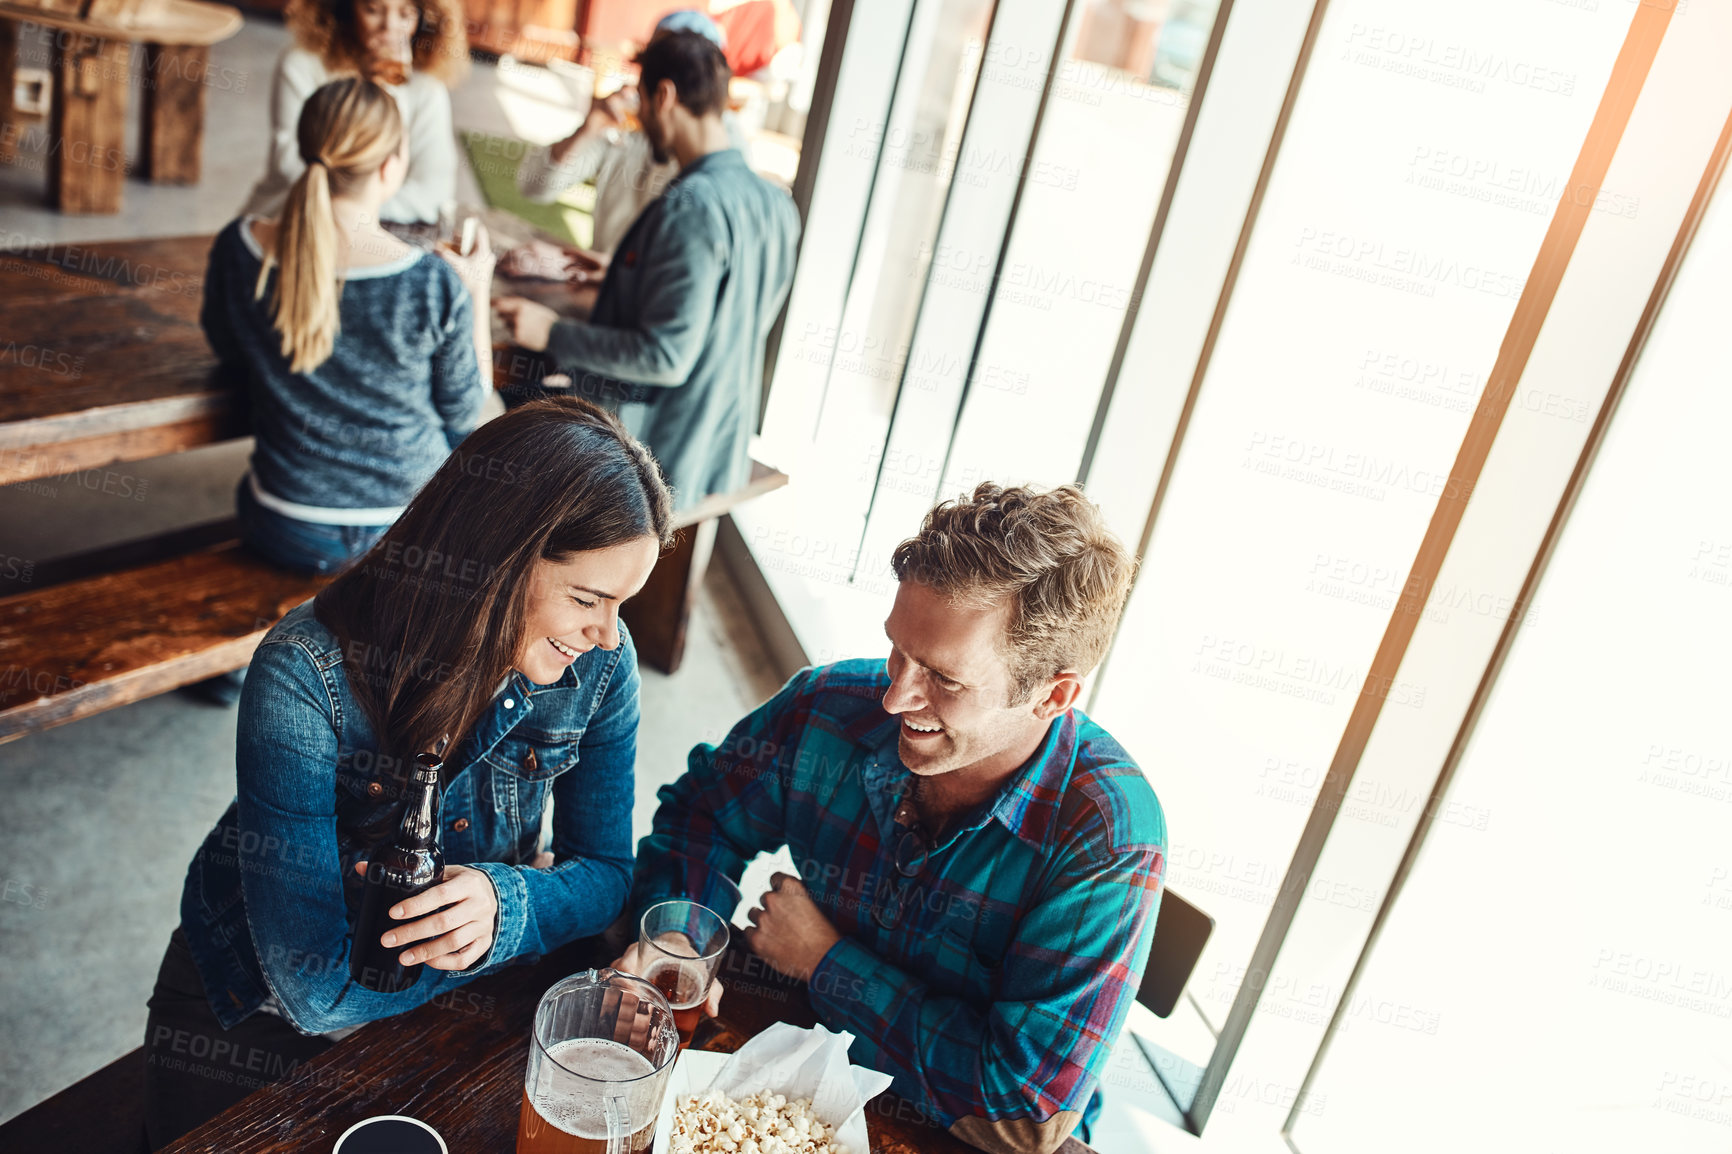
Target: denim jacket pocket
{"points": [[367, 805], [533, 757]]}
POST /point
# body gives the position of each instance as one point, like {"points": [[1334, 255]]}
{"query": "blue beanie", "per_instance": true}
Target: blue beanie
{"points": [[691, 20]]}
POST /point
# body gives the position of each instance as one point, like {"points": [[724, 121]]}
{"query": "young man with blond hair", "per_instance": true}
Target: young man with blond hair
{"points": [[980, 863]]}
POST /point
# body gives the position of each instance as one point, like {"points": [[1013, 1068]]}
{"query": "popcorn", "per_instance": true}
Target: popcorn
{"points": [[765, 1123]]}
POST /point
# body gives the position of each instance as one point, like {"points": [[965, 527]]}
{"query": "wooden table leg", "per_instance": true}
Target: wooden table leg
{"points": [[171, 130], [87, 137], [9, 131], [659, 614]]}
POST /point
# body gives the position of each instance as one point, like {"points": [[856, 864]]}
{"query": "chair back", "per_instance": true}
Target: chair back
{"points": [[1181, 931]]}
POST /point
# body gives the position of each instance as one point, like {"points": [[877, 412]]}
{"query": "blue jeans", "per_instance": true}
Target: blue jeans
{"points": [[300, 546]]}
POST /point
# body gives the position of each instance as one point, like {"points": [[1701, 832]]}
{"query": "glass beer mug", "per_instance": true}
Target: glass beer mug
{"points": [[599, 1062]]}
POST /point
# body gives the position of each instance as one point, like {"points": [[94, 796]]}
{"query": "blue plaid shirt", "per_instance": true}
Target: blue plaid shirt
{"points": [[1013, 955]]}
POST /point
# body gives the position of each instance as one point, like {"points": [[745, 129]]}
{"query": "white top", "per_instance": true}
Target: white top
{"points": [[318, 514], [626, 177], [353, 272], [426, 106]]}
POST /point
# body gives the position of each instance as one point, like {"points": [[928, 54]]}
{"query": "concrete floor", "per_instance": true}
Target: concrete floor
{"points": [[102, 816]]}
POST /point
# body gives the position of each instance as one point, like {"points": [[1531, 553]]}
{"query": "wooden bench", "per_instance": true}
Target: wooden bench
{"points": [[91, 59], [81, 646], [126, 623], [659, 615], [99, 1114]]}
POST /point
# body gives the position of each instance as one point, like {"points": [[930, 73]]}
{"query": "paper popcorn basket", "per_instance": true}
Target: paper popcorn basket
{"points": [[783, 1060]]}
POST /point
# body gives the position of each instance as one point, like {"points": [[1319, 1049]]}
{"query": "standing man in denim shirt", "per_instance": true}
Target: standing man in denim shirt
{"points": [[980, 862], [676, 340]]}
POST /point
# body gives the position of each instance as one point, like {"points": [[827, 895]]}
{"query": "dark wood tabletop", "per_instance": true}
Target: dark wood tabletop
{"points": [[102, 359], [458, 1064]]}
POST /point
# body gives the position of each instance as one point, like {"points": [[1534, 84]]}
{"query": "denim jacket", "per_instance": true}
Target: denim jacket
{"points": [[271, 897]]}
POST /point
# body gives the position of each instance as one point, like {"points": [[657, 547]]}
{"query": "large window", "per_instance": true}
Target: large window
{"points": [[1370, 306], [889, 161], [1576, 898], [967, 331]]}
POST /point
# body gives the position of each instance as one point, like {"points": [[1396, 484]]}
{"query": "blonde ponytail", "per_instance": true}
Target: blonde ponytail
{"points": [[347, 129]]}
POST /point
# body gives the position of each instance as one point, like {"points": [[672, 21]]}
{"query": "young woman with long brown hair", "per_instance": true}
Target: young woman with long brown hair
{"points": [[485, 626], [362, 354]]}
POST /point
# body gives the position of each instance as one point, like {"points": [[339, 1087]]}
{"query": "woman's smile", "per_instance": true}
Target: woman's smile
{"points": [[566, 653]]}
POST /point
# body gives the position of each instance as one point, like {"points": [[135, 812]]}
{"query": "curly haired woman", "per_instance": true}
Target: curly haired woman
{"points": [[417, 49]]}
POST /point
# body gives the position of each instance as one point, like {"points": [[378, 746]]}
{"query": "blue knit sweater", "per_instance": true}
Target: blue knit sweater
{"points": [[365, 429]]}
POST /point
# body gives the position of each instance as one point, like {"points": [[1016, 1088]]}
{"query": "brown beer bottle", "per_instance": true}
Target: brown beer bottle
{"points": [[408, 864]]}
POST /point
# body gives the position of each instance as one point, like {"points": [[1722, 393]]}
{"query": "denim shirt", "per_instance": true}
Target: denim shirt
{"points": [[676, 339], [271, 897]]}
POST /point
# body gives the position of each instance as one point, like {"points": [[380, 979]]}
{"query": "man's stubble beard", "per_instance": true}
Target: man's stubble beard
{"points": [[658, 152]]}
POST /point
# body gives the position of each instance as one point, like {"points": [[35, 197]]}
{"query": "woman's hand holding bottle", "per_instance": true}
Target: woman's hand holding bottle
{"points": [[449, 927]]}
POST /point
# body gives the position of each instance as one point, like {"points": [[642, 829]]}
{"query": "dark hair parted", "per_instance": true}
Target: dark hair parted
{"points": [[696, 66], [431, 617], [1049, 553]]}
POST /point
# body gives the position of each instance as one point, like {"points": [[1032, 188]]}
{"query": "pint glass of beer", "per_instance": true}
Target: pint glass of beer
{"points": [[680, 947], [604, 1045]]}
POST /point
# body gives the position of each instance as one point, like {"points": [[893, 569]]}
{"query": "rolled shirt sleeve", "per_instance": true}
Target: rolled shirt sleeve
{"points": [[541, 179]]}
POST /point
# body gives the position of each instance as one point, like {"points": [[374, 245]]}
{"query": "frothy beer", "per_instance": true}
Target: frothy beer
{"points": [[566, 1118]]}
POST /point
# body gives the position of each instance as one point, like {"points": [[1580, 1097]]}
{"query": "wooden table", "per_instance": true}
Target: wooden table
{"points": [[459, 1067], [91, 60], [104, 361]]}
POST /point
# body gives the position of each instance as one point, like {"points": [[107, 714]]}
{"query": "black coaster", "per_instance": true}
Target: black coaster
{"points": [[390, 1134]]}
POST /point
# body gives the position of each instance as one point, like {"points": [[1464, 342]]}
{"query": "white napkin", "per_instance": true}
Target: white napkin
{"points": [[813, 1064]]}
